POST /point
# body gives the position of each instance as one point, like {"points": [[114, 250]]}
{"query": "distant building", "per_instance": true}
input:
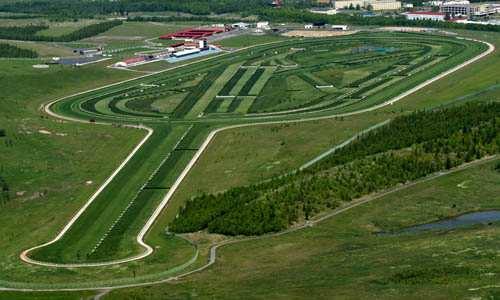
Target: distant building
{"points": [[263, 25], [240, 25], [186, 52], [456, 8], [88, 52], [425, 15], [374, 4], [308, 26], [324, 11], [340, 27], [384, 5]]}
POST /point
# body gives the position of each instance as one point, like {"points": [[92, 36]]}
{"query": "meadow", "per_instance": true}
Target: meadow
{"points": [[292, 144]]}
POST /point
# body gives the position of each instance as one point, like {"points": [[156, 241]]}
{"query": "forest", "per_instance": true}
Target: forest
{"points": [[11, 51], [73, 9], [29, 32], [406, 149], [293, 11]]}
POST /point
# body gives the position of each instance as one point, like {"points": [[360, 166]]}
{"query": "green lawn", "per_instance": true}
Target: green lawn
{"points": [[249, 40], [341, 256], [236, 157]]}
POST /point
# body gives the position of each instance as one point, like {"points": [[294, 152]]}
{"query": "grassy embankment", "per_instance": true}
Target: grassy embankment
{"points": [[301, 141], [444, 193]]}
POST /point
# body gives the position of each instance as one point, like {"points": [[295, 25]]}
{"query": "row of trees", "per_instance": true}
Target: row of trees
{"points": [[88, 8], [11, 51], [406, 149], [30, 32], [301, 16]]}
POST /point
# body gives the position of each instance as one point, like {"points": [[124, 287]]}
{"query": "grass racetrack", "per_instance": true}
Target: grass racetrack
{"points": [[107, 230]]}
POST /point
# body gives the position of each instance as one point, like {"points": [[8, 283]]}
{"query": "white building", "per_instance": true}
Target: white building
{"points": [[308, 26], [425, 15], [240, 25], [374, 4], [263, 25], [325, 11], [340, 27], [456, 8]]}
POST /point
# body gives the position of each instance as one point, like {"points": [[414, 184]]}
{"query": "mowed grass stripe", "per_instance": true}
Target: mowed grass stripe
{"points": [[224, 105], [232, 82], [245, 104], [107, 208], [250, 83], [243, 80], [261, 82], [214, 89]]}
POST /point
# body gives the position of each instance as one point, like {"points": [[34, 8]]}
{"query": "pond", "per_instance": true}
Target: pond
{"points": [[461, 221]]}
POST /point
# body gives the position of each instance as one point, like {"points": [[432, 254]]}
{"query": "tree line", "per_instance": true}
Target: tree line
{"points": [[408, 148], [301, 16], [11, 51], [30, 32], [71, 9]]}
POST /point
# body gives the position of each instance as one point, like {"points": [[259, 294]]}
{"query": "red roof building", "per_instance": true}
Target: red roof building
{"points": [[192, 33]]}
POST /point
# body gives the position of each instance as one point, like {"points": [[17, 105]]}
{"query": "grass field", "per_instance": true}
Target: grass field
{"points": [[249, 40], [275, 149], [342, 256]]}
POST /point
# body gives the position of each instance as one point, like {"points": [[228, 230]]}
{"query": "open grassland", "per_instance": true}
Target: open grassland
{"points": [[144, 29], [52, 167], [130, 101], [342, 256], [62, 28], [43, 49], [161, 260], [309, 76], [249, 40]]}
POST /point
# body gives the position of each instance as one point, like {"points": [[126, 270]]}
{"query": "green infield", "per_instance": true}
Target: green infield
{"points": [[132, 101], [286, 80]]}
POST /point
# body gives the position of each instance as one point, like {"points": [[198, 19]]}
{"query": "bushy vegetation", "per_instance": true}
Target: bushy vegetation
{"points": [[4, 191], [2, 133], [408, 148], [29, 32], [7, 50]]}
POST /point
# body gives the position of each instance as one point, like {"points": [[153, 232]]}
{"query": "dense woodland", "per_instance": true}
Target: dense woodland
{"points": [[10, 51], [293, 11], [408, 148], [72, 8], [30, 32]]}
